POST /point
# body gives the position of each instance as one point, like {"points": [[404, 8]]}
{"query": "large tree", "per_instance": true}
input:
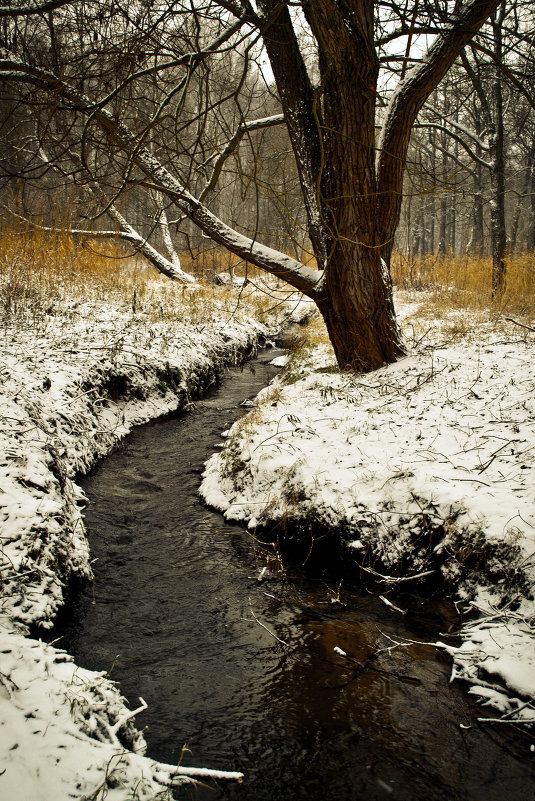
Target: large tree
{"points": [[327, 58]]}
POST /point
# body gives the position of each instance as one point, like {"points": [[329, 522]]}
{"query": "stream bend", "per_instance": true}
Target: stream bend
{"points": [[178, 616]]}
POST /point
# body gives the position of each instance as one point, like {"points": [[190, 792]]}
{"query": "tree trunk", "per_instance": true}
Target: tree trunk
{"points": [[443, 222], [358, 309], [478, 230], [476, 244], [497, 175], [530, 238], [357, 305]]}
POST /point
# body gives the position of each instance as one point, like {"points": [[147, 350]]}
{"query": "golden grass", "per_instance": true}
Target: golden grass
{"points": [[208, 261], [465, 282], [38, 268], [41, 266]]}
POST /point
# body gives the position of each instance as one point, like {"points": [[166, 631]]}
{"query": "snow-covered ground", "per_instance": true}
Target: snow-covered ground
{"points": [[73, 381], [426, 467]]}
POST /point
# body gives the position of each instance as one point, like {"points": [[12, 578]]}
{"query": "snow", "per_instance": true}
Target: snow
{"points": [[72, 383], [438, 448], [280, 361], [424, 467]]}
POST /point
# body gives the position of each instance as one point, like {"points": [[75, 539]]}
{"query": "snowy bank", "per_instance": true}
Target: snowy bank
{"points": [[74, 382], [422, 470]]}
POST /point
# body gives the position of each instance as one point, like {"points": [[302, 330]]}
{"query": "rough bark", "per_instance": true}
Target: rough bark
{"points": [[302, 114], [357, 307]]}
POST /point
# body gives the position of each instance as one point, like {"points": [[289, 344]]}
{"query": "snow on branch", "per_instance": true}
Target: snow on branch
{"points": [[232, 144], [172, 775], [160, 179], [409, 97], [419, 82], [263, 122]]}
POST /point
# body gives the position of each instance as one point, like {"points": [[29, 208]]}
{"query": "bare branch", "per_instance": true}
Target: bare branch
{"points": [[159, 178], [232, 144], [457, 138]]}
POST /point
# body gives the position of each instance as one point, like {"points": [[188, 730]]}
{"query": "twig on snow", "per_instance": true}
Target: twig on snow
{"points": [[522, 325]]}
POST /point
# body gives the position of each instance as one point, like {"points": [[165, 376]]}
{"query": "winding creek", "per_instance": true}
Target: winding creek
{"points": [[178, 616]]}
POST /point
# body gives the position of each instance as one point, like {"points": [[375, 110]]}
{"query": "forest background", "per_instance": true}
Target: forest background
{"points": [[230, 143]]}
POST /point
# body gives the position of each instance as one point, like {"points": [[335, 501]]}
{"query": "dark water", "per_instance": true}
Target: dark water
{"points": [[177, 611]]}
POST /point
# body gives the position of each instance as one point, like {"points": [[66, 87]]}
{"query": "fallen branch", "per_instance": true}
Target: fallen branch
{"points": [[164, 774], [128, 716], [391, 605], [394, 579], [263, 625], [507, 720], [522, 325]]}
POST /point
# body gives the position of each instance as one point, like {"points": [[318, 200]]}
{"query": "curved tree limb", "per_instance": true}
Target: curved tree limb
{"points": [[408, 99], [159, 178], [37, 8]]}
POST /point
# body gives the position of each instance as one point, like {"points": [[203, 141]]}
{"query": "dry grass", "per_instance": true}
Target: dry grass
{"points": [[208, 261], [39, 268], [464, 282]]}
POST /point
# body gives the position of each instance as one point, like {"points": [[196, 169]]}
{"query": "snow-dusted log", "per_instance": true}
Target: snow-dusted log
{"points": [[171, 775], [126, 233], [170, 268]]}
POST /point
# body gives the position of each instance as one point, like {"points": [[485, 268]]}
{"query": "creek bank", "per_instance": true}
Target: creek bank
{"points": [[73, 383], [421, 469]]}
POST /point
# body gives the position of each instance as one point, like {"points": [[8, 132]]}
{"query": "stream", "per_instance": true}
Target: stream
{"points": [[179, 617]]}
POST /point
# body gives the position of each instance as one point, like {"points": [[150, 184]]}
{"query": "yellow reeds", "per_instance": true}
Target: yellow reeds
{"points": [[40, 265], [465, 281], [40, 270]]}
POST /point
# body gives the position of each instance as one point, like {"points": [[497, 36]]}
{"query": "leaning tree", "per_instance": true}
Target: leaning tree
{"points": [[333, 63]]}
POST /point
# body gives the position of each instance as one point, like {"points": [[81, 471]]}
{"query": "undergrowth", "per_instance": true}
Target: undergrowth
{"points": [[42, 270], [464, 282], [39, 269]]}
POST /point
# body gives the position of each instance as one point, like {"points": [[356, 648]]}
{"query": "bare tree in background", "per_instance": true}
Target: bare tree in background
{"points": [[134, 92]]}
